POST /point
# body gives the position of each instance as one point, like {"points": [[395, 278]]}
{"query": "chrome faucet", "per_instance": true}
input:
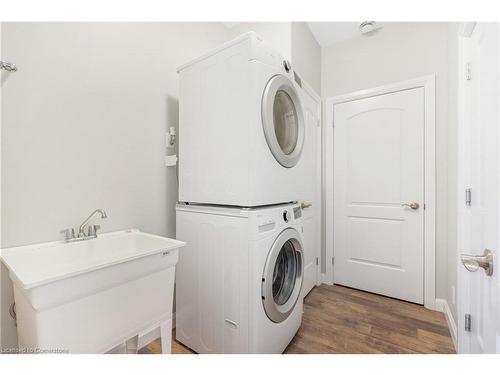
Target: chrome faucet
{"points": [[81, 230], [91, 232]]}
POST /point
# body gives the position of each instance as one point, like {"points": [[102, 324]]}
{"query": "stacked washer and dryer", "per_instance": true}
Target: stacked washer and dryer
{"points": [[239, 279]]}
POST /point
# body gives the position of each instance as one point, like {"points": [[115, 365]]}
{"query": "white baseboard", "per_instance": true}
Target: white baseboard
{"points": [[442, 305], [324, 279]]}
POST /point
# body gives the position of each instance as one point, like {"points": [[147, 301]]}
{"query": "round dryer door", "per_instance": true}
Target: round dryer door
{"points": [[282, 279], [283, 120]]}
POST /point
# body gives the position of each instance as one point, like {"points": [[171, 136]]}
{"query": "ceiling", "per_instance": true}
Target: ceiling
{"points": [[328, 33], [325, 33]]}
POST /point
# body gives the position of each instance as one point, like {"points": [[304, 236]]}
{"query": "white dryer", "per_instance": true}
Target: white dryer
{"points": [[241, 127], [238, 280]]}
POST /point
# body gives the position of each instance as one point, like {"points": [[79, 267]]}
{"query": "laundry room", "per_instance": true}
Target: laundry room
{"points": [[244, 187]]}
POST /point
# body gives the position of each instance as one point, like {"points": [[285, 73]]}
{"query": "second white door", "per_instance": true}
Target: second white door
{"points": [[379, 194]]}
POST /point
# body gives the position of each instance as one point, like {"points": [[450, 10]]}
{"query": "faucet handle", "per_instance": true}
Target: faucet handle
{"points": [[93, 230], [68, 233]]}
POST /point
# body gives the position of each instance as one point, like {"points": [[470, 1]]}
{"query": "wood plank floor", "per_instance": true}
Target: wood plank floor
{"points": [[343, 320]]}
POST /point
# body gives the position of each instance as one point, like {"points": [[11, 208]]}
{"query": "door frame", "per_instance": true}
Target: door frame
{"points": [[319, 174], [428, 83], [0, 187], [465, 31]]}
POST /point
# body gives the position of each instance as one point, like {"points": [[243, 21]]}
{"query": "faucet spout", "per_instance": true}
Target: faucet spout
{"points": [[81, 230]]}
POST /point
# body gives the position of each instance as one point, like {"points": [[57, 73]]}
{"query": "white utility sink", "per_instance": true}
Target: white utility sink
{"points": [[90, 296]]}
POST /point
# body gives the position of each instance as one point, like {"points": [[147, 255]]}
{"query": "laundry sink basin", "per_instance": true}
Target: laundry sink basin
{"points": [[90, 296]]}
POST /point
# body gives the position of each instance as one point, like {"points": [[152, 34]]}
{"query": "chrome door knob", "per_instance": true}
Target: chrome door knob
{"points": [[412, 205], [473, 262]]}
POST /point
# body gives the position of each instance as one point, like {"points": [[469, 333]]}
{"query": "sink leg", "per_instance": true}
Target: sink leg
{"points": [[166, 336], [131, 345]]}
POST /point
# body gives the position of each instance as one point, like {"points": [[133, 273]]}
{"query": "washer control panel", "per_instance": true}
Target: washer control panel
{"points": [[297, 213], [277, 217], [288, 216]]}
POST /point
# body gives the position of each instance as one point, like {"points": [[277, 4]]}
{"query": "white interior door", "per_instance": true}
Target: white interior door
{"points": [[479, 172], [379, 194], [311, 200]]}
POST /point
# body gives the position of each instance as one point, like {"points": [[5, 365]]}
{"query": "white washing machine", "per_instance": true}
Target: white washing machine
{"points": [[241, 127], [239, 278]]}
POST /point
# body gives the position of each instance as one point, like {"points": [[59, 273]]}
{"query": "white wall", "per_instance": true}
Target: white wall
{"points": [[83, 127], [306, 55], [401, 51]]}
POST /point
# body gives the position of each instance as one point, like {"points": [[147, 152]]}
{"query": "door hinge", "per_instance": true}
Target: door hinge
{"points": [[317, 261], [468, 197], [468, 324], [468, 71], [333, 260]]}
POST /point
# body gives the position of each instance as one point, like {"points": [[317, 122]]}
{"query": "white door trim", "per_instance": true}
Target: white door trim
{"points": [[0, 187], [465, 32], [429, 85], [319, 175]]}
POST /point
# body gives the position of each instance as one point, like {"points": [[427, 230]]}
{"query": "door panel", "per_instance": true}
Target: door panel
{"points": [[375, 132], [378, 166], [311, 156], [479, 171], [382, 244]]}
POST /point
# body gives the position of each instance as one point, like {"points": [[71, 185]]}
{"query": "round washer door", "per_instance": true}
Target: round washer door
{"points": [[282, 278], [283, 120]]}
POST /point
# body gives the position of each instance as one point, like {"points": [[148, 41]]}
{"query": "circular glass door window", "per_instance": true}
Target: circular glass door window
{"points": [[282, 278], [285, 122], [282, 121], [284, 275]]}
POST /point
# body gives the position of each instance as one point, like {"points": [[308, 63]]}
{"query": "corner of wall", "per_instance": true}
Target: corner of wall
{"points": [[306, 54]]}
